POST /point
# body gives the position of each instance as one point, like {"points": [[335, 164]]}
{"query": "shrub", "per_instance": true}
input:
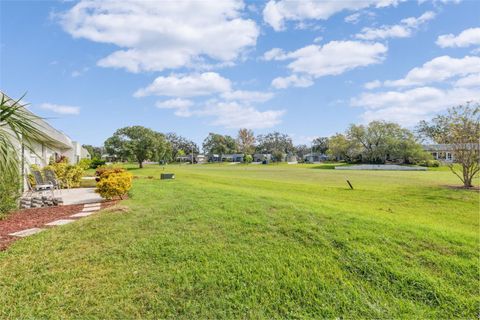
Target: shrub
{"points": [[85, 163], [96, 162], [430, 163], [9, 193], [114, 184], [248, 158], [108, 169], [69, 175]]}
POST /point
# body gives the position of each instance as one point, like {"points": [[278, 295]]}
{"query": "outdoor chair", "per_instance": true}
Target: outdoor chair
{"points": [[40, 184], [51, 177]]}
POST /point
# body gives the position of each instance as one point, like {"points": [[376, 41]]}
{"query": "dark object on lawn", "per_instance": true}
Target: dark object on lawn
{"points": [[351, 187], [164, 176]]}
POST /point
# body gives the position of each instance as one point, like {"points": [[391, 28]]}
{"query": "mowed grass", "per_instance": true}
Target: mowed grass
{"points": [[224, 241]]}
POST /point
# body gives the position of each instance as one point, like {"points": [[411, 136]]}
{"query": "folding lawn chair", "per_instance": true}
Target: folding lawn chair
{"points": [[51, 177], [41, 185]]}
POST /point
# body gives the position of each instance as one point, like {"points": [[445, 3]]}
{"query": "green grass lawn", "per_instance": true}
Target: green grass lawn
{"points": [[276, 241]]}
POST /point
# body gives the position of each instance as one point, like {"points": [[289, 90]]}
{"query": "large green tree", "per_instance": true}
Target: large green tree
{"points": [[136, 142], [320, 145], [216, 143], [460, 128], [180, 144], [380, 141], [341, 148], [275, 142]]}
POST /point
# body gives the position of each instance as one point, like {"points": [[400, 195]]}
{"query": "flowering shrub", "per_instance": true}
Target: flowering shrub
{"points": [[107, 170], [114, 184], [69, 175]]}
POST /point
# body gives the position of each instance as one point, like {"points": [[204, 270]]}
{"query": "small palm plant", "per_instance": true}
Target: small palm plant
{"points": [[18, 128]]}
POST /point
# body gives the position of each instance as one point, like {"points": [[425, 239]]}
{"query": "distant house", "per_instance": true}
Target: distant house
{"points": [[229, 157], [234, 157], [214, 158], [314, 157], [201, 158], [440, 152], [109, 157], [260, 157], [186, 158], [291, 158]]}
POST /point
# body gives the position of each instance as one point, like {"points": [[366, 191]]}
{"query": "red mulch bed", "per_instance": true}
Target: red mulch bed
{"points": [[36, 218]]}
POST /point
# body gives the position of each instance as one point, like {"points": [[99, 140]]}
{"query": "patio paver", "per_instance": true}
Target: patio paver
{"points": [[82, 214], [26, 232], [59, 222], [88, 205]]}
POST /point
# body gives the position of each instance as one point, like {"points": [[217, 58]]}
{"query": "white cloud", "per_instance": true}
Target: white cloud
{"points": [[372, 84], [235, 115], [353, 18], [155, 37], [466, 38], [274, 54], [247, 96], [458, 81], [181, 106], [276, 13], [437, 70], [228, 114], [60, 109], [334, 57], [472, 80], [402, 30], [186, 85], [410, 106], [78, 73], [292, 81]]}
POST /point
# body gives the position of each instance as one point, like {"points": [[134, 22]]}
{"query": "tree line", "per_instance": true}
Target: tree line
{"points": [[376, 142]]}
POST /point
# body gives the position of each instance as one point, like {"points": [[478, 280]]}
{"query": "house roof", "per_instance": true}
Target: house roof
{"points": [[52, 135], [437, 147]]}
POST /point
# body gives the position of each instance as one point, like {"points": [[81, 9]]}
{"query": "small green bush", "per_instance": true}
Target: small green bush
{"points": [[248, 158], [85, 163], [430, 163], [96, 162]]}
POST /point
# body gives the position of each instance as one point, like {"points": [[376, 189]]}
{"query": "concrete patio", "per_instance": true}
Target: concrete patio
{"points": [[78, 196]]}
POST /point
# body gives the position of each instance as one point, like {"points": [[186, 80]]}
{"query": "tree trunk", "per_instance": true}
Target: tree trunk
{"points": [[140, 164]]}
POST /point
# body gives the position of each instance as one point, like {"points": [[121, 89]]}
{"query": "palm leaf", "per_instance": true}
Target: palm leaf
{"points": [[20, 125]]}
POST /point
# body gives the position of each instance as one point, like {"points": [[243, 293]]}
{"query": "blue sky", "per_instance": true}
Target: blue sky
{"points": [[306, 68]]}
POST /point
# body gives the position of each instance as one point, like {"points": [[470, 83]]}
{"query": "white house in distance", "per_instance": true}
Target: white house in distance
{"points": [[440, 152]]}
